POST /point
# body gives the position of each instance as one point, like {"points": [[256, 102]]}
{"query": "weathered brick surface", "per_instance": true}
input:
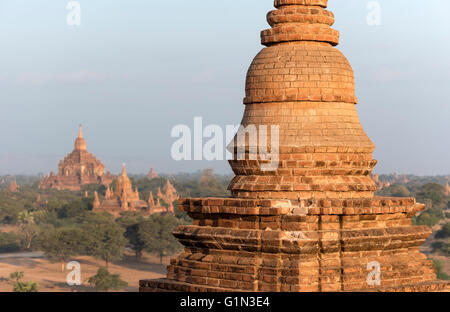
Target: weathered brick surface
{"points": [[314, 223]]}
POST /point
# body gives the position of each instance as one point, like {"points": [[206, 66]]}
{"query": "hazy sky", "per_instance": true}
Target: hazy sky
{"points": [[134, 69]]}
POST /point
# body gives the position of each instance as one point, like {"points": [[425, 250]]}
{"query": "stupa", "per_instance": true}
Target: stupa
{"points": [[314, 223], [152, 174], [77, 169]]}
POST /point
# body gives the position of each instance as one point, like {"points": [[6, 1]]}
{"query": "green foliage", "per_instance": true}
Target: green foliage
{"points": [[28, 228], [440, 271], [444, 232], [91, 188], [433, 191], [74, 209], [130, 222], [104, 238], [20, 286], [104, 281], [17, 276], [26, 287], [442, 246], [426, 219], [156, 233], [395, 190], [10, 242], [63, 243]]}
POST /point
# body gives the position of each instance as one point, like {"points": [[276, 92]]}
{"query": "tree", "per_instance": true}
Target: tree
{"points": [[440, 270], [130, 222], [62, 244], [9, 242], [104, 281], [156, 233], [444, 232], [426, 219], [28, 228], [136, 242], [20, 286], [433, 191], [104, 238], [399, 191], [75, 208]]}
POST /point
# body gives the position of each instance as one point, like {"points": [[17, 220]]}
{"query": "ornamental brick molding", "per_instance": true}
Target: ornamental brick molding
{"points": [[314, 224]]}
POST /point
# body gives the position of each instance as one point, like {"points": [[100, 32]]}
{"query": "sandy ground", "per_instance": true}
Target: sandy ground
{"points": [[50, 278]]}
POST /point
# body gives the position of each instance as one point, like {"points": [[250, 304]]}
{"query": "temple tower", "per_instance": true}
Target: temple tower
{"points": [[313, 223], [77, 169]]}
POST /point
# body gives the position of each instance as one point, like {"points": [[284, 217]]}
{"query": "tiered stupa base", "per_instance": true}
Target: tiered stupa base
{"points": [[280, 245]]}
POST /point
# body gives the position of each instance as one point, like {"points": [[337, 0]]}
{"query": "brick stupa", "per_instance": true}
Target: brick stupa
{"points": [[313, 224]]}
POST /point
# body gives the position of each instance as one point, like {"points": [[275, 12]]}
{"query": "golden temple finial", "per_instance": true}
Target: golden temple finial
{"points": [[124, 170]]}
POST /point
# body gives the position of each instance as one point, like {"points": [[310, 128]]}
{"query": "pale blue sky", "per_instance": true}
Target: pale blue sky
{"points": [[136, 68]]}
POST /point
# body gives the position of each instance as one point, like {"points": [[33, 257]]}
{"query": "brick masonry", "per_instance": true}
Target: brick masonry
{"points": [[314, 223]]}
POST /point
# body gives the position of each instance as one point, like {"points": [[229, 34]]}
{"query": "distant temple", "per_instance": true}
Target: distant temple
{"points": [[447, 189], [124, 198], [13, 186], [169, 195], [380, 184], [152, 174], [404, 179], [77, 169]]}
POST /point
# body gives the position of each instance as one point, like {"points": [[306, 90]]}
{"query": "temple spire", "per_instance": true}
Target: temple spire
{"points": [[80, 142], [124, 170]]}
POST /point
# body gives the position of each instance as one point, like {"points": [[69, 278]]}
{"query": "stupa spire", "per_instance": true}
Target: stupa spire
{"points": [[300, 20], [80, 142], [96, 203], [124, 170]]}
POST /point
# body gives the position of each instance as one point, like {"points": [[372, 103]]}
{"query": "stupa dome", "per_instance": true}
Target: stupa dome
{"points": [[80, 142], [302, 83]]}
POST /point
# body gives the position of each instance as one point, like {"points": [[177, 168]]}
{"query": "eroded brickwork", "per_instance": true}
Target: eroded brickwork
{"points": [[314, 223]]}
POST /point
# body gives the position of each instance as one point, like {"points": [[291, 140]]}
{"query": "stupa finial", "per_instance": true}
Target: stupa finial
{"points": [[124, 170], [80, 142], [300, 20]]}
